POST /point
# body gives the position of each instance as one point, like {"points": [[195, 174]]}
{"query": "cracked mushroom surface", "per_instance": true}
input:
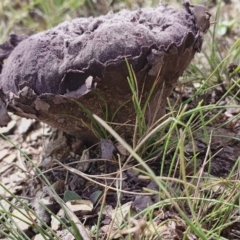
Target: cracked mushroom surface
{"points": [[58, 75]]}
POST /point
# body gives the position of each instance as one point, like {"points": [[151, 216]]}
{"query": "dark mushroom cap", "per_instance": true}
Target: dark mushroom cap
{"points": [[48, 72]]}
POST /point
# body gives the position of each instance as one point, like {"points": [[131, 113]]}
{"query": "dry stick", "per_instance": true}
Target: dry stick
{"points": [[86, 176], [168, 179]]}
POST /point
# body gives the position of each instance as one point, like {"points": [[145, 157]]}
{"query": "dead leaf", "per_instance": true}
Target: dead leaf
{"points": [[4, 153], [107, 210], [55, 224], [59, 186], [80, 207], [142, 202], [107, 149], [119, 214], [65, 235], [4, 205], [111, 232], [23, 218], [83, 231], [10, 158], [24, 125], [121, 149], [4, 168], [39, 237], [9, 129], [83, 164]]}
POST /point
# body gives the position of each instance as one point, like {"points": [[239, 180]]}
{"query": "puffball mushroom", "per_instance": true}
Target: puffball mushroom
{"points": [[60, 75]]}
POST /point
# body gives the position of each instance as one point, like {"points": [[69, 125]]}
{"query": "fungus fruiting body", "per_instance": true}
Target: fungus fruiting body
{"points": [[54, 76]]}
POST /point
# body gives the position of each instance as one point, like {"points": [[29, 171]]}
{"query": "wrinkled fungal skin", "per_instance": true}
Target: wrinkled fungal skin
{"points": [[51, 75]]}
